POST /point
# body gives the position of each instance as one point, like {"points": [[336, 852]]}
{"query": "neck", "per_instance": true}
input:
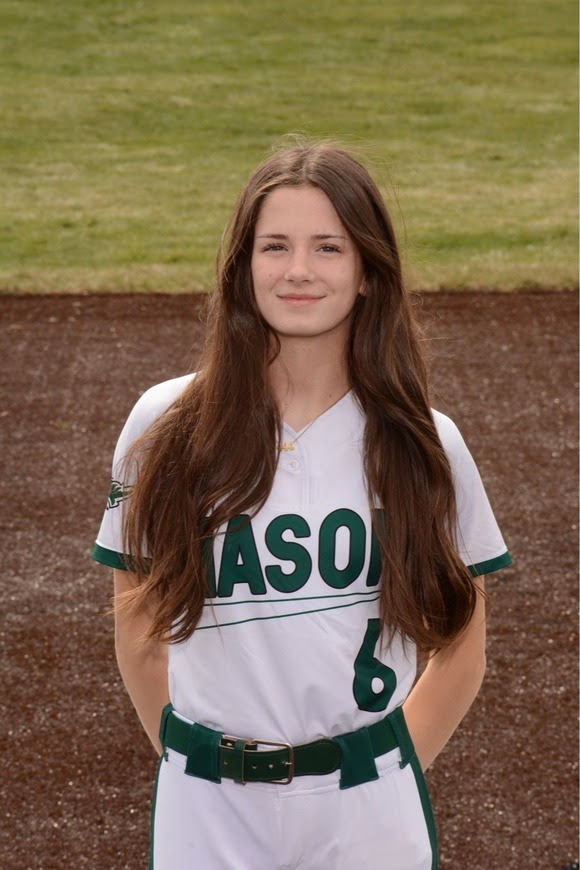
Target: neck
{"points": [[307, 378]]}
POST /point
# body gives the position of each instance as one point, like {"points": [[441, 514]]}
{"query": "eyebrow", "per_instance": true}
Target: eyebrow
{"points": [[318, 236]]}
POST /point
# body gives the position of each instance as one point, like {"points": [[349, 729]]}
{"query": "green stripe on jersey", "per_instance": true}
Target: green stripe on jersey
{"points": [[490, 565], [293, 598], [111, 558], [285, 615]]}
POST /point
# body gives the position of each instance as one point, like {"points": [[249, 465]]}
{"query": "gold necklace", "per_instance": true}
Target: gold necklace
{"points": [[289, 445]]}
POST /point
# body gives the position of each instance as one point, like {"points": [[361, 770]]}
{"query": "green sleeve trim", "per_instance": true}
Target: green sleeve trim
{"points": [[490, 565], [111, 558]]}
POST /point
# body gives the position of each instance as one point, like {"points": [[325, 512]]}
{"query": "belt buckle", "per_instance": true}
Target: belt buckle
{"points": [[279, 745], [229, 741]]}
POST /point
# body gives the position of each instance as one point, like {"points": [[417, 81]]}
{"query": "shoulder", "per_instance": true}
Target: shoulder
{"points": [[449, 435], [460, 459], [151, 405], [158, 398], [446, 428]]}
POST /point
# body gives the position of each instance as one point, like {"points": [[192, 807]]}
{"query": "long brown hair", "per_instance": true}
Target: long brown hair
{"points": [[212, 455]]}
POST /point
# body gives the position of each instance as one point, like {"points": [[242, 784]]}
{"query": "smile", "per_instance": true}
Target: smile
{"points": [[299, 300]]}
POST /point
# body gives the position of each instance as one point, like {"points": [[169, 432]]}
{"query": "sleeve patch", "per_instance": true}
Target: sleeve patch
{"points": [[117, 494]]}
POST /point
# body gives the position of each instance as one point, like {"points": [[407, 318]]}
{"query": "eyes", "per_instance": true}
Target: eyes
{"points": [[325, 248]]}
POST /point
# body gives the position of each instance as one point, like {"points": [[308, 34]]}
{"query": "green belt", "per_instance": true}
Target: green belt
{"points": [[212, 755]]}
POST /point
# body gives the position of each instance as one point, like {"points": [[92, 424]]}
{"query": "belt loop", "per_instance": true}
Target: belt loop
{"points": [[357, 764], [399, 726], [202, 753], [237, 761], [165, 714]]}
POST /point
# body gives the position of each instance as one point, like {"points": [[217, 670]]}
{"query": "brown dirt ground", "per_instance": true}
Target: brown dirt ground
{"points": [[76, 771]]}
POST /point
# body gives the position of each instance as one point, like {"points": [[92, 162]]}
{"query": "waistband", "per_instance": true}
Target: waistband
{"points": [[212, 755]]}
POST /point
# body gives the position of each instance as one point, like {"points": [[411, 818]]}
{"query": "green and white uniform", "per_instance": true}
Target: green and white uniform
{"points": [[287, 649]]}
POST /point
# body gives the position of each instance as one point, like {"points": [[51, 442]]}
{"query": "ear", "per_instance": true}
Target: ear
{"points": [[362, 290]]}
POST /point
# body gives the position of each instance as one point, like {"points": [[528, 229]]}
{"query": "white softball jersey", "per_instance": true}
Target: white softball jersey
{"points": [[288, 649], [288, 646]]}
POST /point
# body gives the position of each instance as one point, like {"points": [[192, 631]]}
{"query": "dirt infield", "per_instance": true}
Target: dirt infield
{"points": [[76, 771]]}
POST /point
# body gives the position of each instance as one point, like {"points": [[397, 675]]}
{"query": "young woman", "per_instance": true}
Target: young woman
{"points": [[288, 529]]}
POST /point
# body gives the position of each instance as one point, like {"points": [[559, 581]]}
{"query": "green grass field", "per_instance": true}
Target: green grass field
{"points": [[129, 127]]}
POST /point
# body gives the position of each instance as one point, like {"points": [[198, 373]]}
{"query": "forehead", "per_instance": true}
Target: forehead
{"points": [[305, 206]]}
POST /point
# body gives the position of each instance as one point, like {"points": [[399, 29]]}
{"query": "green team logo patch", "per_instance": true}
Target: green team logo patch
{"points": [[116, 494]]}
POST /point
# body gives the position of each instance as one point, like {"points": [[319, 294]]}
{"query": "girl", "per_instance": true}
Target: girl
{"points": [[289, 529]]}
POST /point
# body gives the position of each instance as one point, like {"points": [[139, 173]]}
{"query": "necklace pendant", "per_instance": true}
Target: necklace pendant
{"points": [[286, 445]]}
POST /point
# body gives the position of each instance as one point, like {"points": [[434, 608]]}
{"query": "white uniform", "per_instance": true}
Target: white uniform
{"points": [[287, 650]]}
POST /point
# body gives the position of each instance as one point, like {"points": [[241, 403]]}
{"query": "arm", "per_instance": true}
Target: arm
{"points": [[447, 687], [142, 664]]}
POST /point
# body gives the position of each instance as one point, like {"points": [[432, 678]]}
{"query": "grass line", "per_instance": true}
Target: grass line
{"points": [[129, 127]]}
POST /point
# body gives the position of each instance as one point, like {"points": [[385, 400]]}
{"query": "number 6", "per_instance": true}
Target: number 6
{"points": [[368, 669]]}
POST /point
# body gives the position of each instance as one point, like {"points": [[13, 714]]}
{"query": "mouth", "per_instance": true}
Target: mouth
{"points": [[299, 300]]}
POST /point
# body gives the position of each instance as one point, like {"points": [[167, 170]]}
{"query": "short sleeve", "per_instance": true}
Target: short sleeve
{"points": [[478, 537], [109, 545]]}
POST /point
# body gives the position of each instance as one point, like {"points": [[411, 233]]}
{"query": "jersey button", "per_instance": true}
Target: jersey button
{"points": [[294, 465]]}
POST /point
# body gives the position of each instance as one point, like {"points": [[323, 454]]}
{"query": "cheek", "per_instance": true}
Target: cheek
{"points": [[263, 279], [253, 272], [258, 272]]}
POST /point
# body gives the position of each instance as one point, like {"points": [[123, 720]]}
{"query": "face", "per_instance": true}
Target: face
{"points": [[306, 270]]}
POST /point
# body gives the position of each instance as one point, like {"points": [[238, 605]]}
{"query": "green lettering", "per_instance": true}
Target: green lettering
{"points": [[240, 562], [288, 551], [339, 578], [374, 574], [209, 566]]}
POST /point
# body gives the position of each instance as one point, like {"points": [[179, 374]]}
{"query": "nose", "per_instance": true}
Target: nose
{"points": [[299, 269]]}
